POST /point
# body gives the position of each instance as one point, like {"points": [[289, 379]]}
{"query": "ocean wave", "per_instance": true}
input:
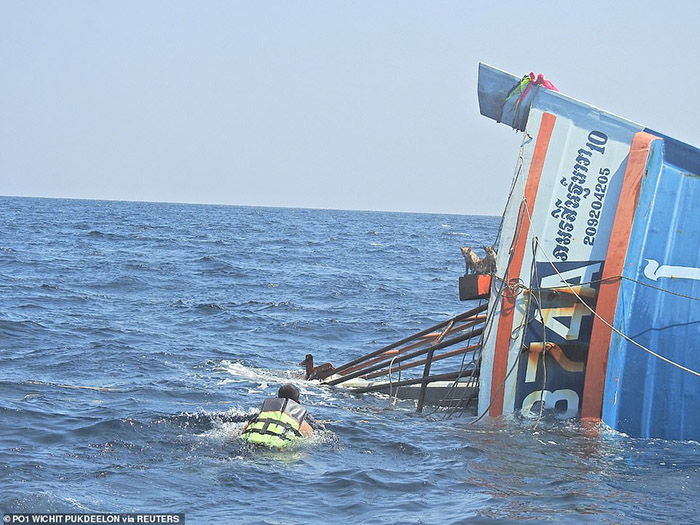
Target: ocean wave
{"points": [[210, 307], [203, 421], [215, 261], [121, 282], [257, 305], [97, 234], [43, 501], [11, 328], [72, 387], [107, 430]]}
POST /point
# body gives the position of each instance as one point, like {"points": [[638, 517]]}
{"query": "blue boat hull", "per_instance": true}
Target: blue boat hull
{"points": [[596, 310]]}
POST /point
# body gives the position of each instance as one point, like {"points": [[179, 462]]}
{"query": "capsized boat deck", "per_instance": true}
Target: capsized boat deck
{"points": [[436, 366]]}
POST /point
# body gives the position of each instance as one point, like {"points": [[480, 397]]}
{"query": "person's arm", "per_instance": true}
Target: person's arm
{"points": [[306, 429], [249, 417], [315, 423]]}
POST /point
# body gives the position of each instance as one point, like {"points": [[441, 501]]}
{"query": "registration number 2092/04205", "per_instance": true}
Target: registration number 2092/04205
{"points": [[596, 206]]}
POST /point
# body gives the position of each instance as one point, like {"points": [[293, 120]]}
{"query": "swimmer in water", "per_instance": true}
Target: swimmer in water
{"points": [[281, 420]]}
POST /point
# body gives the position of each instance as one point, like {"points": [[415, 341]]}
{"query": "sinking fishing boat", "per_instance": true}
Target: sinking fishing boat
{"points": [[592, 310], [594, 304]]}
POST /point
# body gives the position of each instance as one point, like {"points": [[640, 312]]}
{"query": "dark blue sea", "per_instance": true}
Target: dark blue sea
{"points": [[135, 337]]}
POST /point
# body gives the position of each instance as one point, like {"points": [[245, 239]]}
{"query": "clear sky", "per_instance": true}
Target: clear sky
{"points": [[323, 104]]}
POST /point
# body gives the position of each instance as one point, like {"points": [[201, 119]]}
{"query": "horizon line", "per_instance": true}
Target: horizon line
{"points": [[147, 201]]}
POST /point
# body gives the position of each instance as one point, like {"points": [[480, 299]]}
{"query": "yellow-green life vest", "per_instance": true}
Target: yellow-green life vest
{"points": [[277, 425]]}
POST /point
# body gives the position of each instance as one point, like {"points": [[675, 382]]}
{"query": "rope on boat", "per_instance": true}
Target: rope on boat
{"points": [[605, 322], [488, 324], [490, 317], [519, 287], [516, 288], [493, 397], [657, 288]]}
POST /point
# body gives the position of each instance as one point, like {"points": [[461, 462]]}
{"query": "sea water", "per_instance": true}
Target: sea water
{"points": [[136, 337]]}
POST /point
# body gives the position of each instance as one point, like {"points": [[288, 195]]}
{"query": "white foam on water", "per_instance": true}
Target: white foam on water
{"points": [[268, 380], [322, 437], [223, 429], [241, 372]]}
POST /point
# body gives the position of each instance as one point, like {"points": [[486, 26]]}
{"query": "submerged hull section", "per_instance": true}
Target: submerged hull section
{"points": [[651, 384], [586, 209]]}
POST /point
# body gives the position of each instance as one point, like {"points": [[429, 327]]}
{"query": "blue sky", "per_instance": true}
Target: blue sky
{"points": [[328, 104]]}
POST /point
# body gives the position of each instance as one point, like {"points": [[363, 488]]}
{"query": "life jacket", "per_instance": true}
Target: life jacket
{"points": [[277, 425]]}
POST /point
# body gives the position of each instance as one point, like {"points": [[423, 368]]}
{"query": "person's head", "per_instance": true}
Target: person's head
{"points": [[289, 391]]}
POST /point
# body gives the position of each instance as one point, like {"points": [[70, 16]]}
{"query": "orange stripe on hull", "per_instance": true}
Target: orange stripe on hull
{"points": [[505, 323], [596, 365]]}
